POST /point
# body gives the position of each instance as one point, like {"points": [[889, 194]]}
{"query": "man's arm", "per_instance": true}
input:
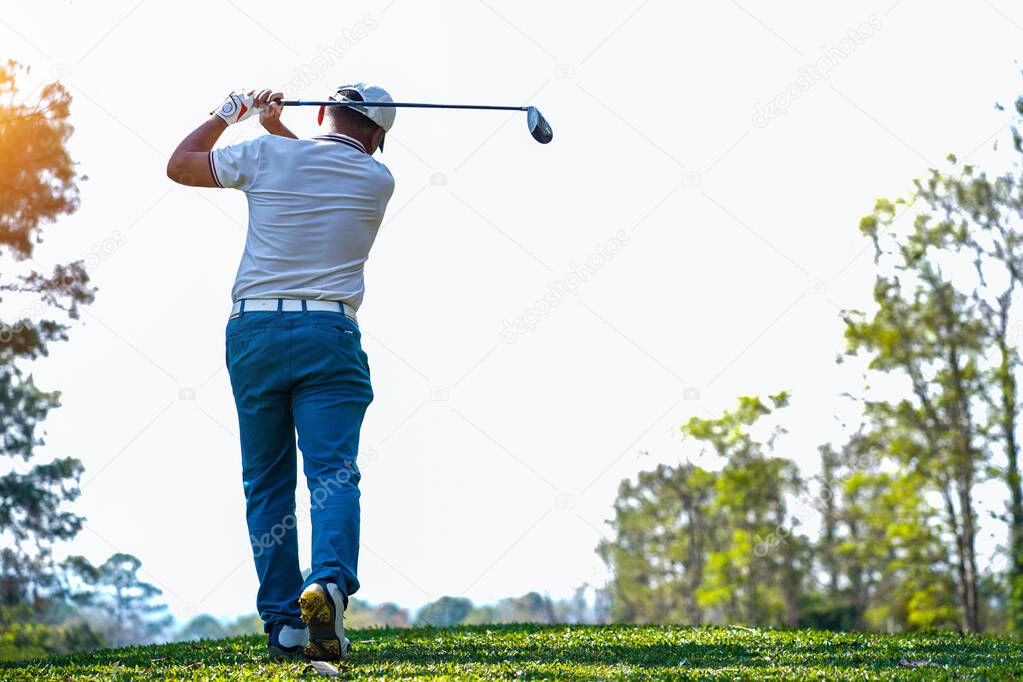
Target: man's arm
{"points": [[190, 162]]}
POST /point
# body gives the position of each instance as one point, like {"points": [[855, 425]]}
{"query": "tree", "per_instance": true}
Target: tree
{"points": [[758, 572], [251, 624], [946, 285], [585, 606], [531, 607], [23, 637], [880, 549], [37, 186], [203, 626], [444, 612], [663, 530], [694, 546], [980, 220], [115, 591], [362, 615]]}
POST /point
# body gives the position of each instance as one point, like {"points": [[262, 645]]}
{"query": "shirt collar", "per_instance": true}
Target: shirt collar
{"points": [[340, 137]]}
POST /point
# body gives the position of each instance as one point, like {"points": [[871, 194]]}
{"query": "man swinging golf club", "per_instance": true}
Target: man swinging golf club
{"points": [[293, 346]]}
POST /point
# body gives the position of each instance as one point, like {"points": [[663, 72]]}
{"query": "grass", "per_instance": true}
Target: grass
{"points": [[537, 652]]}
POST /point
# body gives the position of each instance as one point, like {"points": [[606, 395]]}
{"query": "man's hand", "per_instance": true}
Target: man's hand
{"points": [[190, 163], [237, 107], [270, 113], [269, 110]]}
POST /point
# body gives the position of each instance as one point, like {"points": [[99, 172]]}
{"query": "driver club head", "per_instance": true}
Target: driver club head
{"points": [[539, 128]]}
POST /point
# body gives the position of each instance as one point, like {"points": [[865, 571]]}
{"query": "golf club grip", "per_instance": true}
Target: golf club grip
{"points": [[397, 105]]}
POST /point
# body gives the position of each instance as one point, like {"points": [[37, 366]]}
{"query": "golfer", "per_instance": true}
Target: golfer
{"points": [[293, 345]]}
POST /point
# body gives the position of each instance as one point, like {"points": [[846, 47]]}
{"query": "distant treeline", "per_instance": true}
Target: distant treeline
{"points": [[588, 605]]}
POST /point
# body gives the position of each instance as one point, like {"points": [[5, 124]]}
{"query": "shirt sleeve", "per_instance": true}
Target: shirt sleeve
{"points": [[387, 184], [237, 165]]}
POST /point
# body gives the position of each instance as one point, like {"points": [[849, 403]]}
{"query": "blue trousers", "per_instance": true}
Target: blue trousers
{"points": [[303, 371]]}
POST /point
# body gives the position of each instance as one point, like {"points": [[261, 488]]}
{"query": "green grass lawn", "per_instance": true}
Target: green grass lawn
{"points": [[536, 652]]}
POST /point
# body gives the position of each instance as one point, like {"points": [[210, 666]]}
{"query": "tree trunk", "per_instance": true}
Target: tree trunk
{"points": [[694, 557], [965, 456], [829, 521], [971, 607], [1008, 417], [789, 574], [752, 580], [857, 595], [960, 559]]}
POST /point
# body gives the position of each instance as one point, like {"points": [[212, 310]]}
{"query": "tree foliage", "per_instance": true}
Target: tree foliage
{"points": [[117, 599], [695, 546], [38, 184], [946, 289]]}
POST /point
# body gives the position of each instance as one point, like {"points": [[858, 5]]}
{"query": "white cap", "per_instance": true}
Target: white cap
{"points": [[382, 116]]}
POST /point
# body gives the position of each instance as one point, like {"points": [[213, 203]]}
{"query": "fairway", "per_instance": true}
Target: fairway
{"points": [[536, 652]]}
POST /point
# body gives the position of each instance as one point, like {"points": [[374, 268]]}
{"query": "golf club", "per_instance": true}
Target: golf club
{"points": [[539, 128]]}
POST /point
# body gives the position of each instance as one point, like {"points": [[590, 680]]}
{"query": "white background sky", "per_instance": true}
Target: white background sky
{"points": [[492, 466]]}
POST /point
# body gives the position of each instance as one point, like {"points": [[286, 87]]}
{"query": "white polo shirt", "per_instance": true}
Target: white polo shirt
{"points": [[314, 210]]}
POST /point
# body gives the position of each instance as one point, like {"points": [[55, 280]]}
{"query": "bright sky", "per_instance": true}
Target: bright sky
{"points": [[720, 244]]}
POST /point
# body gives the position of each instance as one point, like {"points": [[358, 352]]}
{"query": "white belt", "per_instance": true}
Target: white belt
{"points": [[291, 305]]}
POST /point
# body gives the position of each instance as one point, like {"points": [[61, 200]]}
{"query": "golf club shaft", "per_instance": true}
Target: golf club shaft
{"points": [[417, 105]]}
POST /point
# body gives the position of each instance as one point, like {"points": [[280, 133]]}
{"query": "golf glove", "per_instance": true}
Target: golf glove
{"points": [[237, 107]]}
